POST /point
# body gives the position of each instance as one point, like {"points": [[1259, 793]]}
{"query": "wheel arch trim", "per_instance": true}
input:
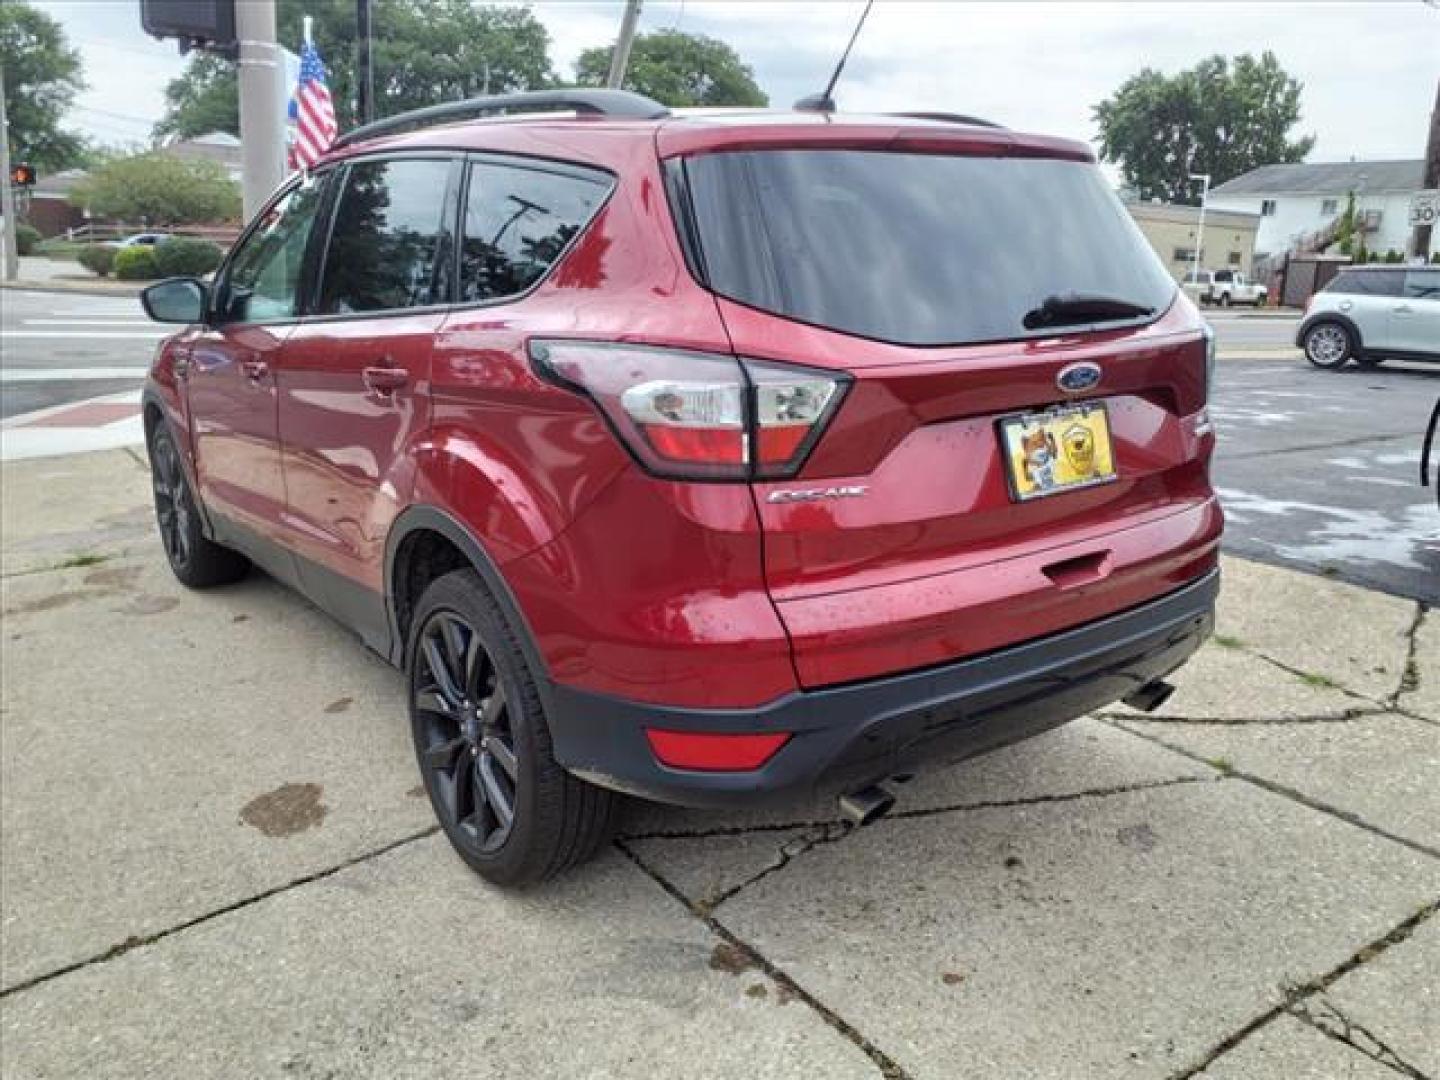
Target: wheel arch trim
{"points": [[426, 518], [1337, 317]]}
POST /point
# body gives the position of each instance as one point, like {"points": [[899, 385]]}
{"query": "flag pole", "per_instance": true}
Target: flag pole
{"points": [[309, 22]]}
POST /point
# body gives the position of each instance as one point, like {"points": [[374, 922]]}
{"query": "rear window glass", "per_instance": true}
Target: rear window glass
{"points": [[1423, 284], [1367, 283], [917, 249]]}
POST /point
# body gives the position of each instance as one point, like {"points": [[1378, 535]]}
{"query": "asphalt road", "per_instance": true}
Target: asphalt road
{"points": [[57, 348], [1320, 471], [1317, 470]]}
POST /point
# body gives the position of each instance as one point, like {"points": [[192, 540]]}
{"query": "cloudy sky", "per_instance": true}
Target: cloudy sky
{"points": [[1369, 67]]}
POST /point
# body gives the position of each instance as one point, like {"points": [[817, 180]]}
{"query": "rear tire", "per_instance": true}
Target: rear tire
{"points": [[1224, 299], [510, 811], [1328, 345], [197, 563]]}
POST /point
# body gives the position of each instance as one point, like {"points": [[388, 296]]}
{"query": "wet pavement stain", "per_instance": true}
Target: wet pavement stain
{"points": [[49, 602], [113, 577], [146, 604], [731, 958], [1140, 837], [417, 792], [339, 705], [289, 809]]}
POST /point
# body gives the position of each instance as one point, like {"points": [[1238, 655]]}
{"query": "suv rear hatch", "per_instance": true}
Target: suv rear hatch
{"points": [[919, 261]]}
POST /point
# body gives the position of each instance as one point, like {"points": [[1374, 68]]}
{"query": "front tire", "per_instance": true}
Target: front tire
{"points": [[1328, 345], [1225, 300], [197, 563], [510, 811]]}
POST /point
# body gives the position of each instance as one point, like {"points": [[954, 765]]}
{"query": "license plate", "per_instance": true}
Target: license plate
{"points": [[1060, 449]]}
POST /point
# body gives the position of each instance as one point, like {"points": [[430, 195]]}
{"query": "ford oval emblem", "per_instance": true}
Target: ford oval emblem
{"points": [[1077, 378]]}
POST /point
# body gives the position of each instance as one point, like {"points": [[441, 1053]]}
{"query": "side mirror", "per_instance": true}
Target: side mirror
{"points": [[176, 300]]}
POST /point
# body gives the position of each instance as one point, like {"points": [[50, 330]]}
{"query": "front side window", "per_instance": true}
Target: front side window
{"points": [[1422, 284], [517, 222], [385, 242], [262, 282]]}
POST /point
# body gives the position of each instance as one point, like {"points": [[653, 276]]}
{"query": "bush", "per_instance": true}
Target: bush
{"points": [[182, 256], [26, 237], [1393, 256], [97, 258], [135, 264]]}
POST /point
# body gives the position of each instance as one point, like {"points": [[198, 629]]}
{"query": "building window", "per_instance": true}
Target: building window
{"points": [[1234, 258], [1329, 207], [1267, 207], [1184, 254]]}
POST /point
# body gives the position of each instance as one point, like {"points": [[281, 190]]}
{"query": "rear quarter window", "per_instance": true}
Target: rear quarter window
{"points": [[915, 249]]}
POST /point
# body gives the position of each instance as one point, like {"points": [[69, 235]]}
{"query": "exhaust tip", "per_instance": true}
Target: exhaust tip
{"points": [[866, 805], [1150, 696]]}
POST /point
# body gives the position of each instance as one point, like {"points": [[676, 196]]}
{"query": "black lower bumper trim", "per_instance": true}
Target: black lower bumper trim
{"points": [[849, 736]]}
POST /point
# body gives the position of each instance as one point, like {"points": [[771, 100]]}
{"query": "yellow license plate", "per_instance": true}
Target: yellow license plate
{"points": [[1060, 449]]}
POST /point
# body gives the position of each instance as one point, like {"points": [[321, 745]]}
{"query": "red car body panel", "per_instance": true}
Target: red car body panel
{"points": [[692, 595]]}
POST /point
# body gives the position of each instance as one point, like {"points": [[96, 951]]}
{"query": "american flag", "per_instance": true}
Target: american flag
{"points": [[312, 110]]}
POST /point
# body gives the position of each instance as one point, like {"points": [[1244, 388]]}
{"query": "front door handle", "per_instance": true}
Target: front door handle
{"points": [[385, 380], [1403, 308], [255, 370]]}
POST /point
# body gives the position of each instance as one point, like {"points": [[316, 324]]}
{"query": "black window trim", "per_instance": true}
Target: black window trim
{"points": [[531, 163], [448, 227]]}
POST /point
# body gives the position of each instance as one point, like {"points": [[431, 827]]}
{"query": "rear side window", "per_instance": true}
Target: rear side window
{"points": [[917, 249], [384, 243], [1422, 284], [518, 220], [1366, 283]]}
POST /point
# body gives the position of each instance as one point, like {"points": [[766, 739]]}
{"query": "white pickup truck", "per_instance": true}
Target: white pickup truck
{"points": [[1224, 287]]}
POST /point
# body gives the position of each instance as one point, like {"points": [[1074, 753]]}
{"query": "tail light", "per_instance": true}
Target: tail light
{"points": [[699, 416]]}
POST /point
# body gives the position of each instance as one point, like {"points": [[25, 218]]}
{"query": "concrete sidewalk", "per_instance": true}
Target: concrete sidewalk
{"points": [[217, 862]]}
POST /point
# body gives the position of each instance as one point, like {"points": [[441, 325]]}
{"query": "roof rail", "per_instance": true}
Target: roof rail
{"points": [[619, 104], [951, 118]]}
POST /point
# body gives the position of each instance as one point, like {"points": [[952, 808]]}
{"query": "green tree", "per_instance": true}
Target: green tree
{"points": [[424, 52], [157, 188], [1220, 117], [677, 69], [42, 77]]}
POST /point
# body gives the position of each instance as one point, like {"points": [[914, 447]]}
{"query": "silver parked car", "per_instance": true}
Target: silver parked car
{"points": [[1369, 313]]}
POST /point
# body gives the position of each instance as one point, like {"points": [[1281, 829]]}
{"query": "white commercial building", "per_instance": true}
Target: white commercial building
{"points": [[1295, 201]]}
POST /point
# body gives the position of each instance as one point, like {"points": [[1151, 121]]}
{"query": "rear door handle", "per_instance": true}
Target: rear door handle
{"points": [[255, 370], [385, 380], [1404, 308]]}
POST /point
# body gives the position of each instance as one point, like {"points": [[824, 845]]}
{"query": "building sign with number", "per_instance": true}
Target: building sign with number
{"points": [[1425, 208]]}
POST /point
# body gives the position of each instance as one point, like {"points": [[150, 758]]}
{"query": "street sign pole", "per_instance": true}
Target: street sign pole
{"points": [[1424, 230], [262, 106], [11, 268]]}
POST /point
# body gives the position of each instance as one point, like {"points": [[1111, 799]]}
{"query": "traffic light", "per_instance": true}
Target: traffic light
{"points": [[22, 174], [198, 24]]}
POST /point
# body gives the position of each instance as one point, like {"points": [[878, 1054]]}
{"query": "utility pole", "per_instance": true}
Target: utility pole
{"points": [[11, 269], [1204, 179], [365, 64], [620, 58], [1420, 241], [262, 106]]}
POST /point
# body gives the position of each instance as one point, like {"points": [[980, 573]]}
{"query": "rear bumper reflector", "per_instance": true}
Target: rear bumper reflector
{"points": [[711, 752]]}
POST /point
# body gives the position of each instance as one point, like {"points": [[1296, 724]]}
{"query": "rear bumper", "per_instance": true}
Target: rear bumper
{"points": [[848, 736]]}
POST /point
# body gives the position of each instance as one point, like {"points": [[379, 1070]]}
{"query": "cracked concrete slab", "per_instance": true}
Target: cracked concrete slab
{"points": [[1384, 769], [1081, 756], [1393, 1000], [1354, 637], [1119, 937], [228, 742], [404, 967], [1422, 693], [52, 509], [1289, 1049], [1225, 682]]}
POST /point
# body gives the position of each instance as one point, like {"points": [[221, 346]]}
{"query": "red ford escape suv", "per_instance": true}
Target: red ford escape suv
{"points": [[700, 458]]}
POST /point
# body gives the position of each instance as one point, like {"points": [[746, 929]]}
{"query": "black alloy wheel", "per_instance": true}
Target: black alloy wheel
{"points": [[195, 560], [513, 814], [464, 735]]}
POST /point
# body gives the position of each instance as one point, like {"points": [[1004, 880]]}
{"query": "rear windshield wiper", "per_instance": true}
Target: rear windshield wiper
{"points": [[1071, 308]]}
